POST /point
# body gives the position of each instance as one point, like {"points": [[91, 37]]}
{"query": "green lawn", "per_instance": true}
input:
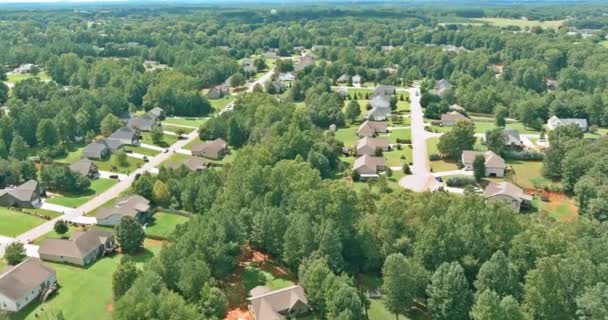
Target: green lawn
{"points": [[599, 133], [403, 134], [84, 293], [403, 106], [168, 127], [219, 104], [521, 128], [360, 92], [197, 140], [252, 276], [15, 78], [106, 165], [145, 151], [175, 158], [13, 223], [604, 43], [75, 200], [164, 143], [74, 154], [431, 145], [393, 158], [348, 136], [188, 121], [529, 174], [54, 235], [48, 213], [164, 223]]}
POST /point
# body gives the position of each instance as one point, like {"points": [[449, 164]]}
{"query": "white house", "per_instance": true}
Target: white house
{"points": [[24, 283], [555, 122]]}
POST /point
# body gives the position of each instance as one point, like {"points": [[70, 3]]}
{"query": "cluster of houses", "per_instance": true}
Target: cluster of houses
{"points": [[370, 146], [130, 135]]}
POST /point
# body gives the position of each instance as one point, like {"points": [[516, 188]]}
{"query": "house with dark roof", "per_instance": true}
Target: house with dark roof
{"points": [[147, 121], [278, 86], [85, 168], [135, 206], [495, 164], [194, 164], [368, 166], [381, 108], [370, 146], [97, 149], [26, 195], [215, 149], [450, 118], [343, 78], [441, 88], [287, 76], [218, 92], [81, 249], [305, 61], [371, 128], [555, 122], [384, 90], [508, 193], [24, 283], [286, 303], [511, 137], [123, 136]]}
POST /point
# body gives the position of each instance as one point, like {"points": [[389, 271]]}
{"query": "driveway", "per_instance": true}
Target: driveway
{"points": [[250, 86]]}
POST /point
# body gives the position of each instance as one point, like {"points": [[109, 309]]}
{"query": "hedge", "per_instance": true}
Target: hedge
{"points": [[525, 155], [459, 182]]}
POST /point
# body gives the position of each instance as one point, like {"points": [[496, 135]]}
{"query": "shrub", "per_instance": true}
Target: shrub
{"points": [[434, 157], [435, 122], [460, 182], [524, 155], [404, 141], [356, 176]]}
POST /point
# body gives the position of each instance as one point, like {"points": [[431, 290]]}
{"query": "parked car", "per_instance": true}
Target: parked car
{"points": [[146, 159], [114, 176], [128, 151]]}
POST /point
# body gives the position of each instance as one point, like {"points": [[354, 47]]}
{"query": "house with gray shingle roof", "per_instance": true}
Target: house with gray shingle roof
{"points": [[384, 90], [24, 283], [452, 117], [441, 88], [370, 146], [97, 149], [218, 92], [555, 122], [26, 195], [123, 136], [286, 303], [368, 166], [85, 168], [81, 249], [381, 108], [371, 128], [135, 206], [215, 149], [495, 164], [191, 163]]}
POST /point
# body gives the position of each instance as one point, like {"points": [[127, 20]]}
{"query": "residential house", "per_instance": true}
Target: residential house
{"points": [[381, 108], [287, 303], [384, 90], [371, 128], [368, 166], [194, 164], [450, 118], [246, 62], [287, 76], [135, 206], [251, 70], [318, 47], [343, 92], [509, 193], [81, 249], [305, 61], [97, 149], [271, 55], [357, 80], [26, 195], [495, 164], [555, 122], [85, 168], [123, 136], [456, 107], [512, 138], [343, 79], [24, 283], [215, 149], [441, 88], [278, 86], [551, 84], [218, 92], [144, 122], [158, 113], [370, 146], [24, 68]]}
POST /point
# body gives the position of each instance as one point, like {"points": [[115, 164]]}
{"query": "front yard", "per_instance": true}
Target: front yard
{"points": [[186, 121], [166, 141], [110, 165], [85, 293], [14, 223], [75, 200]]}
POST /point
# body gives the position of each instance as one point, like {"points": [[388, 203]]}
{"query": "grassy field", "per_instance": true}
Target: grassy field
{"points": [[529, 174], [438, 165], [403, 134], [164, 143], [604, 43], [189, 121], [85, 293], [197, 140], [48, 213], [75, 200], [522, 23], [13, 223], [599, 133], [393, 158], [54, 235], [106, 165], [348, 136], [164, 223], [219, 104], [16, 78], [74, 154], [175, 129], [145, 151]]}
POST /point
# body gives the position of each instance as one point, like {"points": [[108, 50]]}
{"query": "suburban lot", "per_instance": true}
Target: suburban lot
{"points": [[186, 121], [13, 223], [106, 165], [75, 200], [164, 224]]}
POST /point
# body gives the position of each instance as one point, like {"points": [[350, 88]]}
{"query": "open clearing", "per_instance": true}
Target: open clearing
{"points": [[14, 223], [164, 224], [75, 200]]}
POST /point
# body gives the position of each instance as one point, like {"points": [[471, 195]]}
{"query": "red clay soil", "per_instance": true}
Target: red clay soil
{"points": [[556, 199], [239, 314]]}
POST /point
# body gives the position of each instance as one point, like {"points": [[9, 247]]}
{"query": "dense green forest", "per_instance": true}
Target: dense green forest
{"points": [[451, 256]]}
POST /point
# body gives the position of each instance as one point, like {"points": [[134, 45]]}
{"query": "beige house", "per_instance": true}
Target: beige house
{"points": [[135, 206], [85, 168], [24, 283], [194, 164], [26, 195], [368, 166], [369, 146], [215, 149], [81, 249], [281, 304], [371, 128], [495, 164], [451, 118], [509, 193]]}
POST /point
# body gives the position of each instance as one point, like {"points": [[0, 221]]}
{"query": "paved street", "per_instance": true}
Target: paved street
{"points": [[261, 81], [111, 193]]}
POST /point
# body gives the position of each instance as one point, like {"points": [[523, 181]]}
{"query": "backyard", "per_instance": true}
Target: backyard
{"points": [[75, 200], [85, 293], [186, 121], [14, 223], [165, 142], [15, 78], [110, 165], [74, 154], [164, 224], [219, 104]]}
